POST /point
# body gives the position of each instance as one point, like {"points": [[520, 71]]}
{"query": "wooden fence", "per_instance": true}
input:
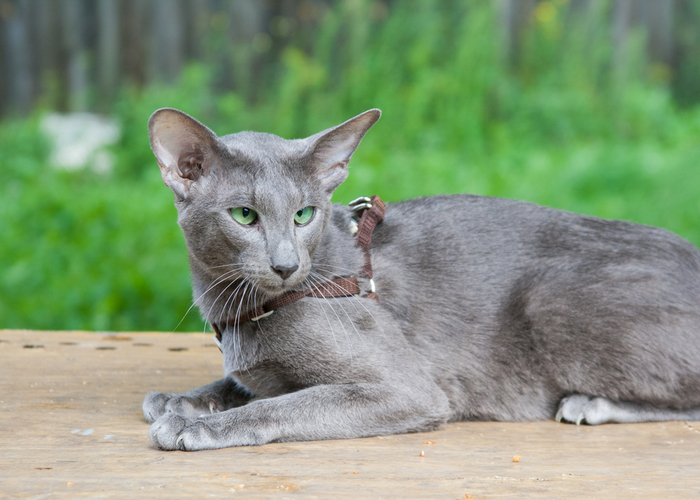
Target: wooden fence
{"points": [[75, 54]]}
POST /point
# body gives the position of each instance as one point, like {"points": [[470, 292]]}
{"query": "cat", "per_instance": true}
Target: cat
{"points": [[488, 308]]}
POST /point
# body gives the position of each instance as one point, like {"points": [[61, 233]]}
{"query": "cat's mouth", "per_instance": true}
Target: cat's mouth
{"points": [[276, 286]]}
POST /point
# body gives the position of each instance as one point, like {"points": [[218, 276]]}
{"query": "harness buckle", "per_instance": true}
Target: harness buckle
{"points": [[262, 316], [361, 203]]}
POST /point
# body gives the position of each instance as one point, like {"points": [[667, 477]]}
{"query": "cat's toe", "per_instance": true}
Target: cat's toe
{"points": [[154, 405], [165, 432], [187, 407], [157, 404], [571, 409], [580, 409], [598, 411], [173, 432]]}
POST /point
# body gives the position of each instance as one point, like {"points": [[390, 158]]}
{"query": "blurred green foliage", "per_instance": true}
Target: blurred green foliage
{"points": [[559, 122]]}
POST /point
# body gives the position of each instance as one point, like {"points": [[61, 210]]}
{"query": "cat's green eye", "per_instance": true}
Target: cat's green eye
{"points": [[244, 215], [304, 215]]}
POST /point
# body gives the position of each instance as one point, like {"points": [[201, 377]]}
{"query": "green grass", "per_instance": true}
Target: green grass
{"points": [[558, 123]]}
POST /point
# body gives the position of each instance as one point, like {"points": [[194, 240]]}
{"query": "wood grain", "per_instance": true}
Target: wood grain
{"points": [[71, 427]]}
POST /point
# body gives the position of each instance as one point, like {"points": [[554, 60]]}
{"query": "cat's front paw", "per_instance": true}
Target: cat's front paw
{"points": [[174, 432], [580, 409], [157, 404], [206, 432]]}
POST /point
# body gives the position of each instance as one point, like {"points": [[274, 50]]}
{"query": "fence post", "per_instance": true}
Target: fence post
{"points": [[74, 40], [18, 56], [166, 57], [108, 48]]}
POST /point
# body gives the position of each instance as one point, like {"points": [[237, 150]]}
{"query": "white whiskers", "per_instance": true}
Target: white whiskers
{"points": [[355, 300], [227, 275], [239, 294]]}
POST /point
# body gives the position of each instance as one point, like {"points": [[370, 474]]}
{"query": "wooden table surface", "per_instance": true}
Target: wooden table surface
{"points": [[71, 427]]}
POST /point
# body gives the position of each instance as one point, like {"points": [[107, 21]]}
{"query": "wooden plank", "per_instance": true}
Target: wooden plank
{"points": [[71, 427]]}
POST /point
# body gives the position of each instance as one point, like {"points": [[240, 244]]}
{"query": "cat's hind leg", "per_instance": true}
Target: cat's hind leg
{"points": [[593, 410], [212, 398]]}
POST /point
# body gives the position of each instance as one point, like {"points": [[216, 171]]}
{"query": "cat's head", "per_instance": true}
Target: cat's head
{"points": [[253, 205]]}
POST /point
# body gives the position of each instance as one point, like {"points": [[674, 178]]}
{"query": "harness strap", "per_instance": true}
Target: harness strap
{"points": [[338, 287], [365, 227]]}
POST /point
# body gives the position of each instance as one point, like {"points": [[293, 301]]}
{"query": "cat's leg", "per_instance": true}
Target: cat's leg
{"points": [[212, 398], [320, 412], [592, 410]]}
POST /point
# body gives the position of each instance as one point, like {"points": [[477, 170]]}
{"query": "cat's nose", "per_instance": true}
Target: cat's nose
{"points": [[285, 271]]}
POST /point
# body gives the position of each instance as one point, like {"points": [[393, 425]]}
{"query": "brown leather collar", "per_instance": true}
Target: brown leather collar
{"points": [[369, 212]]}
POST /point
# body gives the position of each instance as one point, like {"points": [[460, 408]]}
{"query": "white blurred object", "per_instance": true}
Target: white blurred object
{"points": [[78, 140]]}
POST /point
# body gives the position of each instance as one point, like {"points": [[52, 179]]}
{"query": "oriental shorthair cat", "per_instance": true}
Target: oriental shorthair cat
{"points": [[346, 321]]}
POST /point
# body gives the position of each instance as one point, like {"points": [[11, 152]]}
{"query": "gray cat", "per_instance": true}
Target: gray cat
{"points": [[488, 309]]}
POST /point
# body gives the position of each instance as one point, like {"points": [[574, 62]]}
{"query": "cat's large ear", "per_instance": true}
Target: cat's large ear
{"points": [[332, 148], [180, 144]]}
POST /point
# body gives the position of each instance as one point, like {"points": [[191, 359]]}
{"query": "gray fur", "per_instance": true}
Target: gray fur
{"points": [[489, 309]]}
